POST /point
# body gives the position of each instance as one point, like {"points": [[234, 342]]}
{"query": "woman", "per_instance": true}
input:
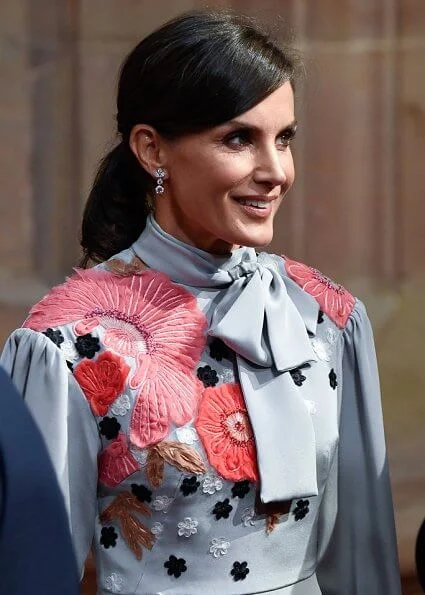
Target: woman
{"points": [[213, 413]]}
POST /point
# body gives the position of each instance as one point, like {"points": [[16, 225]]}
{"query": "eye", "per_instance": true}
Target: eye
{"points": [[238, 138], [285, 139]]}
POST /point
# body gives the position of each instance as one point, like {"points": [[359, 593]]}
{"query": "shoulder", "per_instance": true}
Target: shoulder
{"points": [[334, 300]]}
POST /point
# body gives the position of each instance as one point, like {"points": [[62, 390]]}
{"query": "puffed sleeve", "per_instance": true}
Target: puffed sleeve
{"points": [[62, 413], [357, 542]]}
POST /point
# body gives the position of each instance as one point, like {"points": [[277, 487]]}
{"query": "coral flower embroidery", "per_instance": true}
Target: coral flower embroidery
{"points": [[102, 380], [146, 317], [226, 433], [333, 299], [116, 462]]}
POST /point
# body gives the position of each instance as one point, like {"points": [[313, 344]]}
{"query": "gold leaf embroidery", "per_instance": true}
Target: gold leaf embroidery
{"points": [[135, 267], [271, 521], [134, 533], [182, 456], [155, 468]]}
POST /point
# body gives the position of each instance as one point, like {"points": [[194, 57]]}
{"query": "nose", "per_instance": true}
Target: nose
{"points": [[270, 167]]}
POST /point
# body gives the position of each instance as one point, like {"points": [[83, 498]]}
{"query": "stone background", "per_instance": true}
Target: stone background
{"points": [[357, 210]]}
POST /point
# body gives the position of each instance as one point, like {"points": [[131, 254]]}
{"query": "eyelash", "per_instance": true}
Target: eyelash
{"points": [[288, 136]]}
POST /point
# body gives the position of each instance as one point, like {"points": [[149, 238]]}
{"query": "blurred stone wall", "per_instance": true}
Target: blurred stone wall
{"points": [[357, 210]]}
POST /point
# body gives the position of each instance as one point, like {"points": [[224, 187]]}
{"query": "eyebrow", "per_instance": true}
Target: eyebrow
{"points": [[292, 126]]}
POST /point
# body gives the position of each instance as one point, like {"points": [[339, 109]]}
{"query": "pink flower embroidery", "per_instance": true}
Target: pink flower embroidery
{"points": [[226, 433], [116, 462], [333, 299], [148, 318]]}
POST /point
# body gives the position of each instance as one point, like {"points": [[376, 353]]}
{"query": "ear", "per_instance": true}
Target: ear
{"points": [[146, 144]]}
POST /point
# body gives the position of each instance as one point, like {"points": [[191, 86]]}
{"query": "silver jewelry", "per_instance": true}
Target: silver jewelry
{"points": [[159, 175]]}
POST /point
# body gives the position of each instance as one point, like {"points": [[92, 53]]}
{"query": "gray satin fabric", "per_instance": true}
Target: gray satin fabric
{"points": [[356, 533], [255, 316]]}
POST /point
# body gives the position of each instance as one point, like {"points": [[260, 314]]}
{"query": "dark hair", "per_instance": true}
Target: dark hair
{"points": [[197, 71]]}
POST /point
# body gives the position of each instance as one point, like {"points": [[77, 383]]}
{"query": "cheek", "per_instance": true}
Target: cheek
{"points": [[220, 172]]}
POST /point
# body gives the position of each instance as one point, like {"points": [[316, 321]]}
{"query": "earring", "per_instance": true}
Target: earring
{"points": [[160, 176]]}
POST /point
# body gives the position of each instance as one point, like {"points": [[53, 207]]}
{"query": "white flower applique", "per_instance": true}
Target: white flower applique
{"points": [[321, 349], [69, 351], [162, 503], [211, 484], [141, 455], [157, 529], [186, 435], [227, 376], [219, 547], [248, 517], [121, 405], [187, 527], [331, 335], [114, 583]]}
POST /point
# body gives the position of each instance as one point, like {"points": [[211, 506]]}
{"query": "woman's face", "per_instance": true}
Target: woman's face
{"points": [[225, 184]]}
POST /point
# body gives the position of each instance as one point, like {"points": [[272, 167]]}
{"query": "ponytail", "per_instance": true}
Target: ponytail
{"points": [[117, 207]]}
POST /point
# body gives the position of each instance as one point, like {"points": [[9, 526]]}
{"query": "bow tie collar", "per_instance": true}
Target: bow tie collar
{"points": [[256, 317]]}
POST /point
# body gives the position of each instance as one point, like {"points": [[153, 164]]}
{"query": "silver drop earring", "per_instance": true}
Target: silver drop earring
{"points": [[159, 175]]}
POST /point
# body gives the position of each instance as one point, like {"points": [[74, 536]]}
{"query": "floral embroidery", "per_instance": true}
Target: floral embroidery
{"points": [[114, 583], [321, 349], [162, 503], [187, 527], [207, 375], [332, 379], [226, 433], [135, 267], [189, 485], [69, 351], [301, 509], [121, 405], [239, 571], [211, 484], [102, 380], [108, 537], [175, 566], [183, 457], [297, 375], [331, 335], [219, 350], [116, 462], [109, 427], [219, 547], [333, 299], [87, 345], [222, 509], [161, 327], [142, 493], [247, 517], [227, 376], [55, 336], [240, 489], [186, 435], [157, 529], [135, 534]]}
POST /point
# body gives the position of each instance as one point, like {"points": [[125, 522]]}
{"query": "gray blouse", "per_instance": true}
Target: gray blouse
{"points": [[172, 446]]}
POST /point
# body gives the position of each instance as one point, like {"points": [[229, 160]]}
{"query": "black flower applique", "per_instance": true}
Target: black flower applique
{"points": [[189, 485], [108, 537], [239, 571], [332, 379], [70, 365], [301, 509], [109, 427], [175, 566], [142, 493], [55, 336], [222, 510], [219, 350], [320, 318], [240, 489], [87, 345], [297, 375], [208, 376]]}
